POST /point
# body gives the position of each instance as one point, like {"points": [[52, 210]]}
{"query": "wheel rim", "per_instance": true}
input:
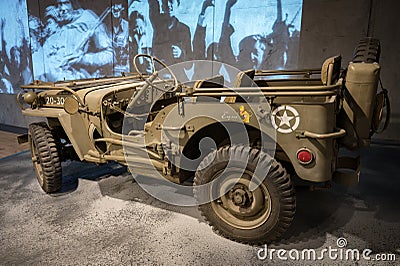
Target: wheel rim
{"points": [[239, 207], [36, 161]]}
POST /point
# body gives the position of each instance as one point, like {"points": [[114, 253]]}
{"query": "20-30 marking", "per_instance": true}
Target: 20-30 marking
{"points": [[52, 100]]}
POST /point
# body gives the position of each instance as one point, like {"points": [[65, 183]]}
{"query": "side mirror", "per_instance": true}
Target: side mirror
{"points": [[71, 105]]}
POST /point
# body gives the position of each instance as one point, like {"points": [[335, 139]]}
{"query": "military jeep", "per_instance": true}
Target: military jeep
{"points": [[306, 117]]}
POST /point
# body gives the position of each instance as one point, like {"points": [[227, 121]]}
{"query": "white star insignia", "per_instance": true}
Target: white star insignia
{"points": [[285, 119]]}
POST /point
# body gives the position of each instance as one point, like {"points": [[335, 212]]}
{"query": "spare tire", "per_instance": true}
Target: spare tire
{"points": [[368, 50]]}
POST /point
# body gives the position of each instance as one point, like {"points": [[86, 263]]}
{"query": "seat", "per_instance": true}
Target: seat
{"points": [[213, 82], [208, 83], [243, 79], [330, 71]]}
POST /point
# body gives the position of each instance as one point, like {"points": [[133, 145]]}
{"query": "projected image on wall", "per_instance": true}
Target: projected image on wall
{"points": [[71, 39], [15, 61], [76, 39], [260, 34], [119, 31]]}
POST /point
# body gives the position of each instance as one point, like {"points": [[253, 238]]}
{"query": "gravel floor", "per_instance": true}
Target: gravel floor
{"points": [[103, 218]]}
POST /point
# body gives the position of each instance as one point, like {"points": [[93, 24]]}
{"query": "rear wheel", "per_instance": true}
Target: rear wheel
{"points": [[45, 157], [253, 217]]}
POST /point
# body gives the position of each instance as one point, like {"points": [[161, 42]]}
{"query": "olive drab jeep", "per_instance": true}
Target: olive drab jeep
{"points": [[313, 114]]}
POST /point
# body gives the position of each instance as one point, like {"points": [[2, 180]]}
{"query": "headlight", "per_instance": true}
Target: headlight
{"points": [[29, 97]]}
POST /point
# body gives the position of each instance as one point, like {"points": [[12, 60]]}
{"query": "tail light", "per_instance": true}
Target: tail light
{"points": [[305, 156]]}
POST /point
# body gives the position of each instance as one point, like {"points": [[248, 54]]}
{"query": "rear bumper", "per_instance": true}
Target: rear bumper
{"points": [[347, 171]]}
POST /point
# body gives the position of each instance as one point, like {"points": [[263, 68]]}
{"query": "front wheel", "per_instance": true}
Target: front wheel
{"points": [[45, 157], [254, 217]]}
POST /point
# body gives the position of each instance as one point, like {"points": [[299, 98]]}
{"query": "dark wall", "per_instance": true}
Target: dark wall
{"points": [[335, 27]]}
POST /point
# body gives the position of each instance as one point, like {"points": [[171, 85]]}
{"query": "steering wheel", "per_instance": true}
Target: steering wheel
{"points": [[151, 78]]}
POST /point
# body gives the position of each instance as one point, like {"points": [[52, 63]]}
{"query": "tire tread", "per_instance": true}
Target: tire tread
{"points": [[45, 143]]}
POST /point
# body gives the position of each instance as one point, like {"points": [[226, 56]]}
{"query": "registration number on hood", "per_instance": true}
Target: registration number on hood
{"points": [[54, 101]]}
